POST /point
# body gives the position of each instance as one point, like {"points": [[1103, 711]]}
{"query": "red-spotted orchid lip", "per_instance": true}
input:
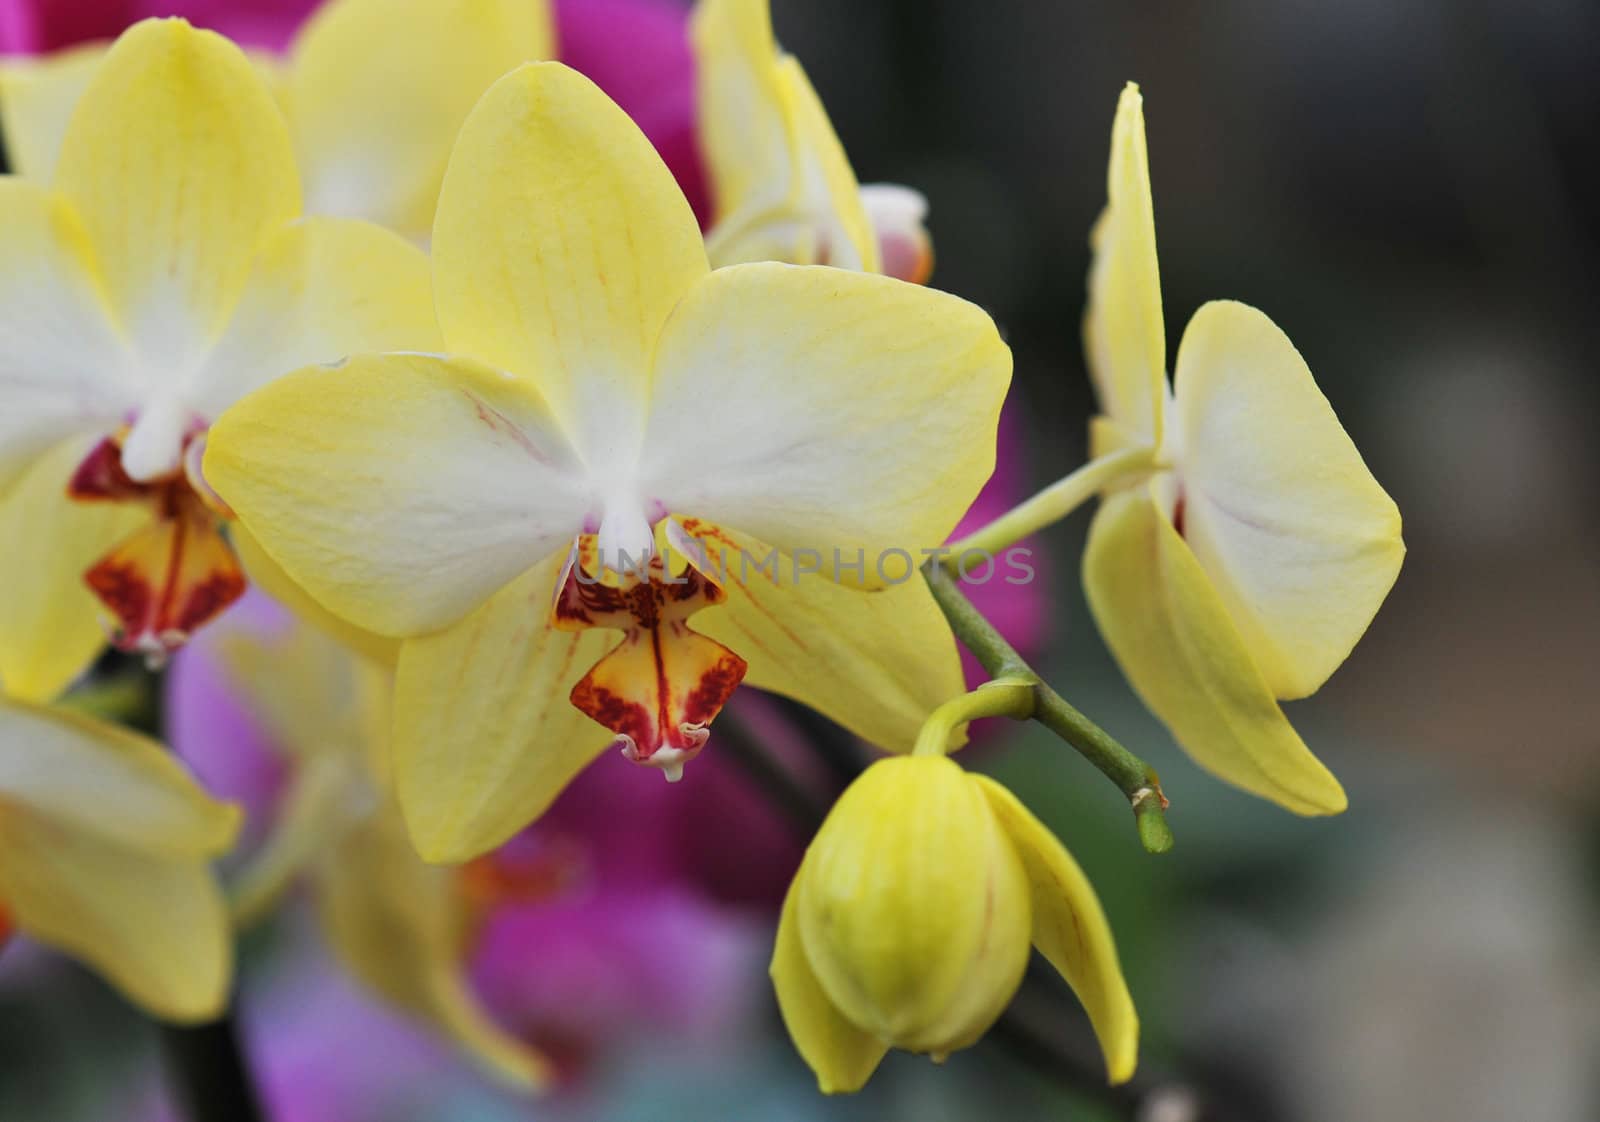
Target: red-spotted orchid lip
{"points": [[664, 683], [174, 574]]}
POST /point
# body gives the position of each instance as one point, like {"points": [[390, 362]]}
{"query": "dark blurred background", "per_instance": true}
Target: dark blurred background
{"points": [[1409, 190]]}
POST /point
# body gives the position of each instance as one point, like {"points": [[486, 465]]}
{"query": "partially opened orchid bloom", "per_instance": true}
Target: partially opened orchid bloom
{"points": [[1243, 566], [105, 844], [374, 92], [402, 927], [604, 384], [783, 187], [161, 276], [910, 922]]}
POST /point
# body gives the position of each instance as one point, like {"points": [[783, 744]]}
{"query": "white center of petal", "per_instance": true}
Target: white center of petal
{"points": [[154, 446], [625, 540]]}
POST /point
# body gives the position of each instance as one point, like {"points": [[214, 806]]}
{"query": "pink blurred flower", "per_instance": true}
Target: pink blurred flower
{"points": [[38, 26], [1019, 611]]}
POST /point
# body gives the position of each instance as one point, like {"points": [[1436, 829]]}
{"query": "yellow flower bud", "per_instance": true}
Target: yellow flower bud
{"points": [[914, 908], [909, 922]]}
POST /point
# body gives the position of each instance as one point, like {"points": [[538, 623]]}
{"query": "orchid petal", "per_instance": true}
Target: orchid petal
{"points": [[1070, 930], [156, 926], [745, 126], [1173, 638], [64, 370], [817, 409], [485, 738], [179, 162], [398, 925], [830, 192], [51, 625], [267, 575], [898, 216], [401, 491], [320, 290], [376, 92], [842, 1055], [1298, 539], [37, 97], [100, 779], [561, 246], [875, 662], [1124, 336]]}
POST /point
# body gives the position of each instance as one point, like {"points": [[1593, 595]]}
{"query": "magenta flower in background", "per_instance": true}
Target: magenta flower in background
{"points": [[38, 26]]}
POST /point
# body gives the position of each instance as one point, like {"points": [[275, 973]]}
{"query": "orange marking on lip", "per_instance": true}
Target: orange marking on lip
{"points": [[662, 686], [173, 575]]}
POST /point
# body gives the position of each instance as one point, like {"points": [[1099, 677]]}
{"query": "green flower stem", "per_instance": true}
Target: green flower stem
{"points": [[1004, 697], [1136, 779], [1056, 501]]}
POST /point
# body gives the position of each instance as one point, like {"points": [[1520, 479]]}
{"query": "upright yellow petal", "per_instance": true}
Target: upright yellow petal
{"points": [[101, 779], [1070, 929], [397, 924], [180, 163], [561, 246], [1173, 638], [1299, 541], [876, 662], [51, 626], [156, 926], [321, 289], [830, 189], [485, 738], [1124, 336], [37, 97], [745, 124], [842, 1055], [816, 408], [376, 91]]}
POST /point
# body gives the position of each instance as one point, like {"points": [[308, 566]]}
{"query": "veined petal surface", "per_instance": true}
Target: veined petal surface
{"points": [[1124, 336], [561, 246], [875, 662], [400, 490], [816, 408], [179, 162], [1298, 539], [485, 736], [1174, 640], [376, 91]]}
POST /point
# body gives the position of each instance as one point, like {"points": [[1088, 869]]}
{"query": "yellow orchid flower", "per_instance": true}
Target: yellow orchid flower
{"points": [[105, 845], [1245, 565], [783, 187], [164, 273], [910, 921], [600, 379], [400, 926], [374, 92]]}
